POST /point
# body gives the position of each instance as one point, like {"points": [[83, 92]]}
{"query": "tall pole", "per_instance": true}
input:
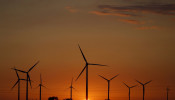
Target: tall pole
{"points": [[108, 88], [87, 82], [40, 91], [167, 93], [71, 93], [143, 92], [19, 90], [143, 85], [129, 93], [27, 88]]}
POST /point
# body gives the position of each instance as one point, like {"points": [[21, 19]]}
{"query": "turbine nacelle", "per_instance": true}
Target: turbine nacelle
{"points": [[86, 65], [109, 79], [17, 82], [40, 84], [168, 89], [27, 73], [71, 86], [143, 83], [129, 86]]}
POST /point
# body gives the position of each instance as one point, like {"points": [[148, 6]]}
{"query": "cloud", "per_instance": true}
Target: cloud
{"points": [[148, 28], [163, 9], [131, 21], [131, 13], [103, 13], [71, 9]]}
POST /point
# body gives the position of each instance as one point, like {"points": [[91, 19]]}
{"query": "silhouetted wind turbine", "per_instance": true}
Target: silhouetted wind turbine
{"points": [[167, 90], [28, 77], [18, 82], [40, 85], [108, 80], [71, 87], [143, 85], [86, 67], [129, 88]]}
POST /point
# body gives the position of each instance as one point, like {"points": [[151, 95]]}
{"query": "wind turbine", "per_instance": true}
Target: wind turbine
{"points": [[143, 85], [40, 85], [86, 67], [167, 90], [71, 87], [129, 88], [108, 80], [18, 82], [28, 77]]}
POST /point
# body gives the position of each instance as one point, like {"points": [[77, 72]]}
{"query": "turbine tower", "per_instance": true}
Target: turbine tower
{"points": [[40, 85], [167, 90], [129, 88], [18, 82], [86, 67], [71, 87], [27, 76], [108, 80], [143, 85]]}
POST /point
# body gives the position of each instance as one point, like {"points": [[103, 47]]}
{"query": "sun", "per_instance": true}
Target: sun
{"points": [[85, 99]]}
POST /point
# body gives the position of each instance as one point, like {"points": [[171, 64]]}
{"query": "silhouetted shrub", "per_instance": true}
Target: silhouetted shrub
{"points": [[53, 98]]}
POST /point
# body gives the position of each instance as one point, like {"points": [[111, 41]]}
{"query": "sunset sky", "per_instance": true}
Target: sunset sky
{"points": [[135, 38]]}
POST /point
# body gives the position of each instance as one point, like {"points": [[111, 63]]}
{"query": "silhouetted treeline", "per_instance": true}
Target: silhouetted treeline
{"points": [[53, 98], [67, 99]]}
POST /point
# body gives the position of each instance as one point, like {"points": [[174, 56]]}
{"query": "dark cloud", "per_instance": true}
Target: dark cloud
{"points": [[134, 13], [103, 13], [163, 9]]}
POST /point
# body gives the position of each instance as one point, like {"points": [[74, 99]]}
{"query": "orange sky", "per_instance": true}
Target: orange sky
{"points": [[135, 39]]}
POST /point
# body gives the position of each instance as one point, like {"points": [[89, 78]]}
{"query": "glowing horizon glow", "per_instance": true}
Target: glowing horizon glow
{"points": [[136, 38]]}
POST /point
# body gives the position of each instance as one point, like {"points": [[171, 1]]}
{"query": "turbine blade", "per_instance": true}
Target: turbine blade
{"points": [[40, 79], [126, 85], [44, 86], [82, 53], [23, 79], [98, 64], [68, 88], [81, 72], [18, 70], [36, 87], [114, 77], [103, 77], [133, 86], [33, 66], [147, 82], [29, 80], [139, 82], [17, 74], [15, 84], [74, 89], [72, 82]]}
